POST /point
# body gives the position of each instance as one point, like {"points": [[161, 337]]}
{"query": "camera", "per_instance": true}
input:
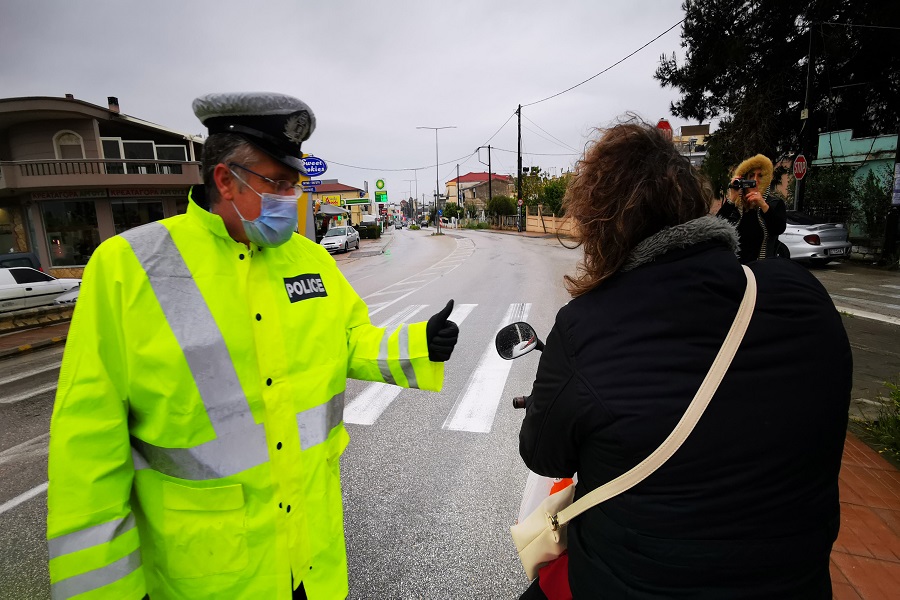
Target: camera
{"points": [[742, 184]]}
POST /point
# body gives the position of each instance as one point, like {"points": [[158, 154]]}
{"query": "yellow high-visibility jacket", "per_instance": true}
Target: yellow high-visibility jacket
{"points": [[198, 425]]}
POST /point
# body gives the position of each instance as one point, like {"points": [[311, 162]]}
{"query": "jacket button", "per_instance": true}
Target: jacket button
{"points": [[278, 446], [241, 256], [289, 508], [279, 505], [269, 381], [258, 317]]}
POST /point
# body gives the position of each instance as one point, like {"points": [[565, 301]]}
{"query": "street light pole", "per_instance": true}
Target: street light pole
{"points": [[437, 175]]}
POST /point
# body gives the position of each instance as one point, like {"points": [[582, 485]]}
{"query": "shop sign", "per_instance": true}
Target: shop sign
{"points": [[148, 192], [335, 200], [68, 195]]}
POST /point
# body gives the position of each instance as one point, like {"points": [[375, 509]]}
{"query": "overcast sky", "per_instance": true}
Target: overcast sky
{"points": [[371, 71]]}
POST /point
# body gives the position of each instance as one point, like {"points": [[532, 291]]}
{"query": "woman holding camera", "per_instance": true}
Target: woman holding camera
{"points": [[748, 506], [759, 219]]}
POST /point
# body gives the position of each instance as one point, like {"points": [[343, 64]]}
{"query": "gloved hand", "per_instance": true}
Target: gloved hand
{"points": [[441, 335]]}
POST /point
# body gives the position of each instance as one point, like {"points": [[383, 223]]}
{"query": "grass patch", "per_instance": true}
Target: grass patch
{"points": [[885, 430], [414, 227]]}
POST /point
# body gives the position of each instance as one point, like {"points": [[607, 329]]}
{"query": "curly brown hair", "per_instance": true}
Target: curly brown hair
{"points": [[629, 185]]}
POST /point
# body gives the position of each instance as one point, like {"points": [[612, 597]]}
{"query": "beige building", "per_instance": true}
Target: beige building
{"points": [[73, 174], [473, 188]]}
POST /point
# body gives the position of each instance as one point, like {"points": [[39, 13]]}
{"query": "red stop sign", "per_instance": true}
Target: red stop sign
{"points": [[664, 126], [800, 167]]}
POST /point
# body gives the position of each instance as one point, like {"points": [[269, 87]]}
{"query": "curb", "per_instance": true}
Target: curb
{"points": [[11, 352]]}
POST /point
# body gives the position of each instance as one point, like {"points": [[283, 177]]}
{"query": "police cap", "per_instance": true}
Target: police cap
{"points": [[275, 123]]}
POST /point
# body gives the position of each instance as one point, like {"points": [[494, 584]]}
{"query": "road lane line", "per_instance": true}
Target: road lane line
{"points": [[893, 287], [23, 498], [32, 446], [376, 397], [872, 292], [24, 374], [476, 406], [865, 302], [404, 316], [29, 394], [868, 315], [464, 251]]}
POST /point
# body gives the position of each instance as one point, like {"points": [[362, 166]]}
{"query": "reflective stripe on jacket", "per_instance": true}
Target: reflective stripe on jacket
{"points": [[197, 430]]}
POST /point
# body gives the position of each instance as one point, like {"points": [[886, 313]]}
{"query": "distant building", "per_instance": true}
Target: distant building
{"points": [[872, 153], [473, 188], [691, 142], [73, 174], [354, 199]]}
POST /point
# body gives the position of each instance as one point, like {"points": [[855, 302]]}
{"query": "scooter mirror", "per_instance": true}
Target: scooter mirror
{"points": [[517, 339]]}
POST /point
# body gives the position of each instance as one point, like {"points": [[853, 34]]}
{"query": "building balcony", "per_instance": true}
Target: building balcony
{"points": [[29, 175]]}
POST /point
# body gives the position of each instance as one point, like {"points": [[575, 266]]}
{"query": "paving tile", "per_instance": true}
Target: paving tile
{"points": [[862, 526], [836, 575], [872, 579], [874, 490], [891, 518], [844, 591]]}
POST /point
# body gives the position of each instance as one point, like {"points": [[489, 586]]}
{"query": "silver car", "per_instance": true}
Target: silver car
{"points": [[24, 287], [810, 239], [340, 238]]}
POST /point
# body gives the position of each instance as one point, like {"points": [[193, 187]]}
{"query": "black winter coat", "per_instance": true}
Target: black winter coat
{"points": [[758, 230], [748, 506]]}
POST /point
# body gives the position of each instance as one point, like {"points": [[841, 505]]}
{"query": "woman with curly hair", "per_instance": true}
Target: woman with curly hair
{"points": [[748, 506], [758, 216]]}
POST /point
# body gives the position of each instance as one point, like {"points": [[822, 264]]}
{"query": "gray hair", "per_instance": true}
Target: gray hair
{"points": [[224, 148]]}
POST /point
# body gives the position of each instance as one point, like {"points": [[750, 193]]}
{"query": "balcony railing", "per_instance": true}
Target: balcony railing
{"points": [[53, 173]]}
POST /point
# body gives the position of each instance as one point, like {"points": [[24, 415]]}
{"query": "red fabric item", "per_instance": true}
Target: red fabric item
{"points": [[554, 579]]}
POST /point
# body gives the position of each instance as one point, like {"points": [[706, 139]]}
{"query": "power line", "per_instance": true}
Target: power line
{"points": [[865, 26], [536, 153], [454, 160], [607, 68], [565, 145]]}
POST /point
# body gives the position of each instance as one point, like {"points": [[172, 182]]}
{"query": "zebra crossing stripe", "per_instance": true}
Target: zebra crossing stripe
{"points": [[476, 406], [376, 397]]}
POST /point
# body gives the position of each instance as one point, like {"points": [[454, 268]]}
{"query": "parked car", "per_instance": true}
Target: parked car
{"points": [[340, 238], [20, 259], [24, 287], [814, 240]]}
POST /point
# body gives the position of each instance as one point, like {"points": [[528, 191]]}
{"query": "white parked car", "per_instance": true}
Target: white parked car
{"points": [[340, 238], [814, 240], [24, 287]]}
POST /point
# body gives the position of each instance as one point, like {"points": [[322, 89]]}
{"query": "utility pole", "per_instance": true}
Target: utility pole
{"points": [[519, 174], [437, 175], [458, 201], [490, 173], [806, 129]]}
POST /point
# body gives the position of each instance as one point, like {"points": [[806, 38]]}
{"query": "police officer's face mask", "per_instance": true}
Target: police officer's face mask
{"points": [[276, 222]]}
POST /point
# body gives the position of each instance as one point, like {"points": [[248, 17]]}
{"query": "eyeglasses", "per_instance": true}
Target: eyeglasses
{"points": [[282, 186]]}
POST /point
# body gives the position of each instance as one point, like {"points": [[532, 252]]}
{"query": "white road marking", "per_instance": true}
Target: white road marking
{"points": [[29, 394], [23, 498], [37, 371], [376, 397], [34, 446], [893, 287], [865, 302], [403, 316], [873, 292], [465, 248], [868, 315], [477, 405]]}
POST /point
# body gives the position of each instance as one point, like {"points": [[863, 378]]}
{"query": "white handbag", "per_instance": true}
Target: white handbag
{"points": [[541, 537]]}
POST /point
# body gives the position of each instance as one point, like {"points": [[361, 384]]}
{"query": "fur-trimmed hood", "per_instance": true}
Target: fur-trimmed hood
{"points": [[686, 234], [757, 162]]}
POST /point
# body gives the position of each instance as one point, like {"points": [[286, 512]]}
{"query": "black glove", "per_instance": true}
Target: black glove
{"points": [[441, 335]]}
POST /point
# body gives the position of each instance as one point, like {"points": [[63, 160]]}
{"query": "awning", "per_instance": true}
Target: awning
{"points": [[331, 209]]}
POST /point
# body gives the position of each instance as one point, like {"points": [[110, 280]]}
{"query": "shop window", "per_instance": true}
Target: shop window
{"points": [[177, 154], [72, 232], [129, 214], [7, 239], [68, 146]]}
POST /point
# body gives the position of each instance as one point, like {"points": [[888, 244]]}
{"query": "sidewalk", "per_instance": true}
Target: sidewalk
{"points": [[865, 559]]}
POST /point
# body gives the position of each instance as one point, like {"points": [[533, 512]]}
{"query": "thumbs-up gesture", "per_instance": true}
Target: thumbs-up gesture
{"points": [[441, 334]]}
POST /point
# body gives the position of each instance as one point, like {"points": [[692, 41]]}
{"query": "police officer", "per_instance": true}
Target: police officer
{"points": [[197, 430]]}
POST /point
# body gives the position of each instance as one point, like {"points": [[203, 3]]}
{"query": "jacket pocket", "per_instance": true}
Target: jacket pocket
{"points": [[205, 530]]}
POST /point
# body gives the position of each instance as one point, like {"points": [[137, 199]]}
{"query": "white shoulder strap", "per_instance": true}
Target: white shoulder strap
{"points": [[688, 420]]}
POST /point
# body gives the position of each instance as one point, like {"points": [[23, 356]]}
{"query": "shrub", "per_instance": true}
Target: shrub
{"points": [[369, 232], [886, 430]]}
